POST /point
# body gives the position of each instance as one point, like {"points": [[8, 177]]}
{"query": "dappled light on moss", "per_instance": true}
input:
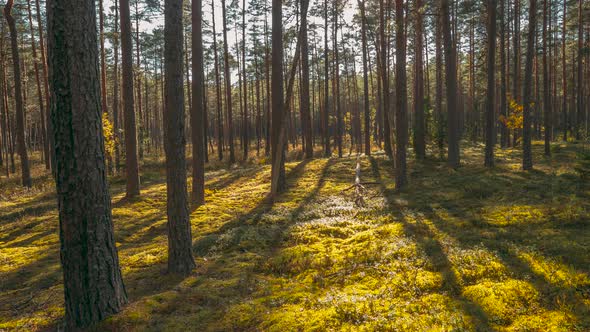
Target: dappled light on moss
{"points": [[465, 250]]}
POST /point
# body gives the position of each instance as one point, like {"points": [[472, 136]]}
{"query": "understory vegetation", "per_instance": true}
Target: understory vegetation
{"points": [[458, 250]]}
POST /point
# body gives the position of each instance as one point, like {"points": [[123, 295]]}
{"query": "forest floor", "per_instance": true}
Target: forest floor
{"points": [[466, 250]]}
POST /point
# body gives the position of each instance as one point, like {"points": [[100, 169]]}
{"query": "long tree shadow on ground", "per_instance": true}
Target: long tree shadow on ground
{"points": [[527, 237]]}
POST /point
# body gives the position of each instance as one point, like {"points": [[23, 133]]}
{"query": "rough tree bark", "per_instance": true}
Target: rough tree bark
{"points": [[93, 286]]}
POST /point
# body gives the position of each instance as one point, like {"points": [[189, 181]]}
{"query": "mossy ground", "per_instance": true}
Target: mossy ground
{"points": [[473, 249]]}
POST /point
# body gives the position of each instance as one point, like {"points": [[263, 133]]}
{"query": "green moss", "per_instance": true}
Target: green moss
{"points": [[465, 250], [503, 301]]}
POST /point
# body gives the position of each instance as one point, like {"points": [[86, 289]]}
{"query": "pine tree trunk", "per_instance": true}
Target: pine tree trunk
{"points": [[527, 158], [546, 92], [220, 136], [326, 116], [246, 139], [278, 121], [564, 75], [131, 165], [580, 121], [116, 123], [337, 82], [367, 106], [180, 256], [93, 286], [516, 63], [3, 109], [451, 79], [228, 87], [20, 112], [401, 120], [267, 60], [504, 134], [419, 127], [385, 82], [141, 124], [440, 136], [103, 75], [305, 110], [198, 110], [490, 133], [42, 115], [49, 137]]}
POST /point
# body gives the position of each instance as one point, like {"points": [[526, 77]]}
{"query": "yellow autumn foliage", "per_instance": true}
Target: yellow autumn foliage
{"points": [[109, 135]]}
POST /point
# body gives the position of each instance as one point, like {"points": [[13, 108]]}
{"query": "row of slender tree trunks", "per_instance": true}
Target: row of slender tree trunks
{"points": [[331, 110]]}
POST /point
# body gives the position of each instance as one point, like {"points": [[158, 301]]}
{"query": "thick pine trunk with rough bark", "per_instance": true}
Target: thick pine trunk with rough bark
{"points": [[131, 164], [93, 286], [180, 256]]}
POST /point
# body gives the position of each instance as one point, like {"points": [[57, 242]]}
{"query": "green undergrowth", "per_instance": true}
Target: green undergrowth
{"points": [[469, 250]]}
